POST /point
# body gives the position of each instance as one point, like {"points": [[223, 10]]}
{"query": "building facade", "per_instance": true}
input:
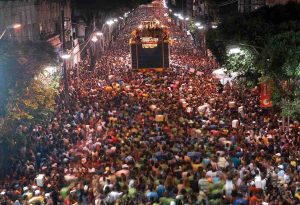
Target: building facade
{"points": [[246, 6], [39, 19]]}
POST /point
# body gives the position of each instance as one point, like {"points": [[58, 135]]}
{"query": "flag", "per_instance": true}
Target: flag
{"points": [[265, 94]]}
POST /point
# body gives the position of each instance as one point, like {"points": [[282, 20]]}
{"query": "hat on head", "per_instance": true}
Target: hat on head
{"points": [[125, 166], [37, 192]]}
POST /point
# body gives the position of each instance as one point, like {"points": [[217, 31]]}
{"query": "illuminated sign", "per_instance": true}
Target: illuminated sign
{"points": [[150, 24], [149, 42]]}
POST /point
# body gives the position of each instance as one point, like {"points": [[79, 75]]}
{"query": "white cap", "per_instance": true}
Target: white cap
{"points": [[25, 188], [37, 192], [280, 166], [34, 187], [125, 166], [47, 195]]}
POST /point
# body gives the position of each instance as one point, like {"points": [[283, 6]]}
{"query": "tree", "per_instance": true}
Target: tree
{"points": [[280, 61], [19, 64], [25, 97], [253, 29], [269, 42], [244, 64]]}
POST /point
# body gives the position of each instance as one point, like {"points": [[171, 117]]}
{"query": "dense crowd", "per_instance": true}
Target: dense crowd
{"points": [[174, 137]]}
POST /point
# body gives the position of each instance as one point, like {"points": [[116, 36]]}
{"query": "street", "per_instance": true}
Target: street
{"points": [[172, 137]]}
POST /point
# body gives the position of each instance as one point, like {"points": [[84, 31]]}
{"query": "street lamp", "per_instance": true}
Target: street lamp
{"points": [[99, 33], [110, 22], [197, 24], [115, 20], [202, 39], [234, 50], [13, 26], [237, 49], [94, 39], [187, 18], [65, 56]]}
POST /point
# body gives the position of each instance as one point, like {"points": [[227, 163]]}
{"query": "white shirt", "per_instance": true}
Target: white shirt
{"points": [[258, 182], [113, 196]]}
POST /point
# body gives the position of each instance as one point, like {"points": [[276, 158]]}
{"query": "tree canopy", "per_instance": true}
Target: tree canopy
{"points": [[24, 97], [269, 42], [254, 29], [19, 63]]}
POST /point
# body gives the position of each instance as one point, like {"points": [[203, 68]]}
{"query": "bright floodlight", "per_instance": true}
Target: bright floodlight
{"points": [[115, 20], [65, 56], [200, 27], [110, 22], [176, 14], [99, 33], [17, 25], [94, 39], [214, 26], [197, 24], [234, 50], [180, 17], [187, 18], [13, 26]]}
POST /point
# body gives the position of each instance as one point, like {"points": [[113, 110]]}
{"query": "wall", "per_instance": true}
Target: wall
{"points": [[40, 20]]}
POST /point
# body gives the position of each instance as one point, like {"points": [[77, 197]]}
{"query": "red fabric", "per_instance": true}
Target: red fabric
{"points": [[265, 94]]}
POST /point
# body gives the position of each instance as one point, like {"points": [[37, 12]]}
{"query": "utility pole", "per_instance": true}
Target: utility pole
{"points": [[63, 40], [93, 48]]}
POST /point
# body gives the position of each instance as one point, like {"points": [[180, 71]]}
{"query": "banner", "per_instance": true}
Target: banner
{"points": [[265, 94]]}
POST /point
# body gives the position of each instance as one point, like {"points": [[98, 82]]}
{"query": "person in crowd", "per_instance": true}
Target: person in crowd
{"points": [[172, 137]]}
